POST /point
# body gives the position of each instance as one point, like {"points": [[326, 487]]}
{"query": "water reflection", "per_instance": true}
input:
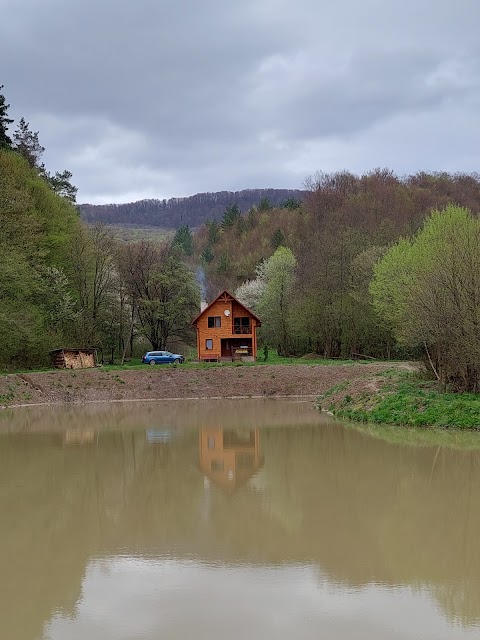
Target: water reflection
{"points": [[302, 527], [230, 457]]}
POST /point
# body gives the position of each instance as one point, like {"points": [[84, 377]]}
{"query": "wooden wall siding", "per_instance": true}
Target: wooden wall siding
{"points": [[216, 334]]}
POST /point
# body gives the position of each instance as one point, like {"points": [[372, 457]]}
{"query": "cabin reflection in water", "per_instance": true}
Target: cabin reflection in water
{"points": [[230, 457]]}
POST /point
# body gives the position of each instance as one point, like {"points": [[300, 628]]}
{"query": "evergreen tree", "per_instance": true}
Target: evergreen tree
{"points": [[230, 216], [224, 264], [61, 184], [241, 225], [291, 203], [5, 141], [183, 238], [277, 239], [265, 204], [27, 144], [207, 255], [213, 228]]}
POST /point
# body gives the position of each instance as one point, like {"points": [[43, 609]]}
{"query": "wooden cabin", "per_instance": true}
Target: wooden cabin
{"points": [[226, 330], [230, 457], [74, 358]]}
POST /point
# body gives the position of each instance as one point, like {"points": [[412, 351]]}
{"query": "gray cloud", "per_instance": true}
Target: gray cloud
{"points": [[157, 99]]}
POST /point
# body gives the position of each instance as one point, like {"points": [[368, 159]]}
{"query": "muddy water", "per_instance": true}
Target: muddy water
{"points": [[232, 519]]}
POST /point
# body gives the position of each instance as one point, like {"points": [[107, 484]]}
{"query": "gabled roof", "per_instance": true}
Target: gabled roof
{"points": [[222, 293]]}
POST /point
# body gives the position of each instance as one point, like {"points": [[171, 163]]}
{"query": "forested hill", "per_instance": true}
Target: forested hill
{"points": [[192, 211]]}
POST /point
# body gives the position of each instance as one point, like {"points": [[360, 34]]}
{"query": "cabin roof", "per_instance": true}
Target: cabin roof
{"points": [[234, 299], [74, 350]]}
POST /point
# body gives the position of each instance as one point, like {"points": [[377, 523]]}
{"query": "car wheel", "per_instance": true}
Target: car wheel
{"points": [[177, 361], [152, 362]]}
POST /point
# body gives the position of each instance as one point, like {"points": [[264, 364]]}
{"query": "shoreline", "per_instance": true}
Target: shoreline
{"points": [[82, 386], [398, 398], [380, 393], [312, 397]]}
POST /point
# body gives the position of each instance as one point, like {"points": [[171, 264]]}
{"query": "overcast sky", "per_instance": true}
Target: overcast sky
{"points": [[150, 98]]}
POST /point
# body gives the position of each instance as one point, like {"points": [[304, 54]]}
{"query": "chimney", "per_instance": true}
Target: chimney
{"points": [[203, 305]]}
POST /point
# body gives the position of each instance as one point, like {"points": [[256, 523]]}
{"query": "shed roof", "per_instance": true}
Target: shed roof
{"points": [[234, 299], [90, 350]]}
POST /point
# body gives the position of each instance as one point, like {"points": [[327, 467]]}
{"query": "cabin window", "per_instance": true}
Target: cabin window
{"points": [[241, 325], [209, 344], [211, 442], [216, 465], [214, 322]]}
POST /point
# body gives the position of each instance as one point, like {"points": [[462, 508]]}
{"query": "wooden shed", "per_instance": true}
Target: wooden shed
{"points": [[74, 358], [226, 330]]}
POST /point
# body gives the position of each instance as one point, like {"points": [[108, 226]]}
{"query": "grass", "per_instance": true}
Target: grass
{"points": [[273, 358], [408, 400], [453, 438], [136, 363]]}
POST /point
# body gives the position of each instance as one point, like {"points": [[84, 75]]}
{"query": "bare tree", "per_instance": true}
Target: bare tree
{"points": [[163, 291]]}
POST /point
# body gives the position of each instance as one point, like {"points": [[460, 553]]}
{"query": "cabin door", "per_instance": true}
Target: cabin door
{"points": [[226, 348]]}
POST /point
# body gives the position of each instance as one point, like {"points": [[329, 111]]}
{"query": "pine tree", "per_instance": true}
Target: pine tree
{"points": [[27, 144], [291, 203], [5, 140], [183, 238], [265, 204], [230, 216], [60, 183], [277, 239]]}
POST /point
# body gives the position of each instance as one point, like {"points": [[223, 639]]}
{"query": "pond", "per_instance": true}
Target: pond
{"points": [[233, 519]]}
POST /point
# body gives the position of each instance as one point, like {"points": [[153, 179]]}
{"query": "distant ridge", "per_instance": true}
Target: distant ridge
{"points": [[192, 211]]}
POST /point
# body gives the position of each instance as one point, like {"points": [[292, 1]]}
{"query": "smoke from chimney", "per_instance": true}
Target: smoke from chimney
{"points": [[200, 275]]}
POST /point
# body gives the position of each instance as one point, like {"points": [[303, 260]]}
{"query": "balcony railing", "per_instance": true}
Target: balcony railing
{"points": [[242, 329]]}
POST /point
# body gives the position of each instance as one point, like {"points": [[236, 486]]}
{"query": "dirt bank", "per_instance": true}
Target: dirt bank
{"points": [[94, 385]]}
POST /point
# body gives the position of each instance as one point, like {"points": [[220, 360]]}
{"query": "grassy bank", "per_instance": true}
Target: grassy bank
{"points": [[402, 398], [192, 363]]}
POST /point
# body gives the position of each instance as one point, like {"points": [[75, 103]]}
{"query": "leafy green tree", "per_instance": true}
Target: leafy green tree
{"points": [[37, 227], [22, 323], [27, 144], [365, 332], [183, 238], [276, 302], [428, 291], [5, 121]]}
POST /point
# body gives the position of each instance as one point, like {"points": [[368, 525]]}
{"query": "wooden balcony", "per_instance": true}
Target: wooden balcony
{"points": [[242, 329]]}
